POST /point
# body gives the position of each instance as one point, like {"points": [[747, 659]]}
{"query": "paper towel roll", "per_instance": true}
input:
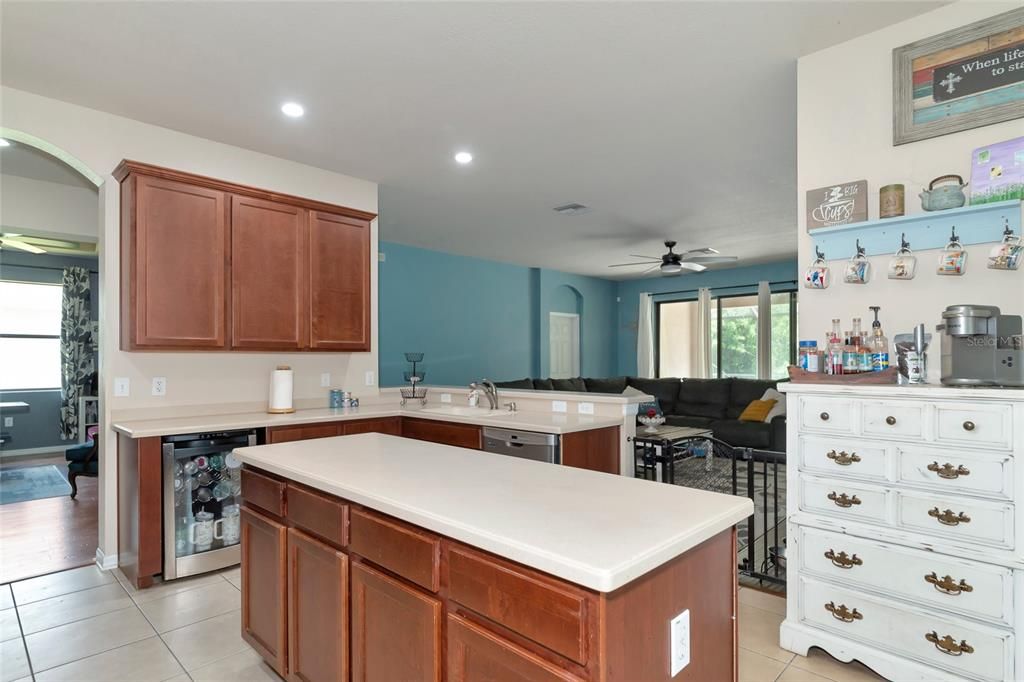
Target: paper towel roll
{"points": [[280, 401]]}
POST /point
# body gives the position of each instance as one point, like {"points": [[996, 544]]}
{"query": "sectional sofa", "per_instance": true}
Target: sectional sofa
{"points": [[712, 403]]}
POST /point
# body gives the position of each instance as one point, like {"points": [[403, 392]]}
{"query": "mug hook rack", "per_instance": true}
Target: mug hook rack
{"points": [[860, 250], [904, 244], [820, 255]]}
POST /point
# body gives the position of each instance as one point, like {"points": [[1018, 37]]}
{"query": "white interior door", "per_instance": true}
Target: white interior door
{"points": [[564, 335]]}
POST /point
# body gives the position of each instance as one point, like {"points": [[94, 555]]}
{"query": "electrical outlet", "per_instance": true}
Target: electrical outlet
{"points": [[160, 386], [122, 387], [559, 406], [8, 422], [370, 379], [446, 397], [585, 408], [679, 632], [325, 379]]}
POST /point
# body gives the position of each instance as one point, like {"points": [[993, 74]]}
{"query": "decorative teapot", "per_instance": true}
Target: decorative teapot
{"points": [[945, 197]]}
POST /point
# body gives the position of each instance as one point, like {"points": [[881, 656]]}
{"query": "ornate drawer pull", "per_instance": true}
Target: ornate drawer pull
{"points": [[843, 458], [842, 560], [948, 518], [842, 613], [968, 425], [948, 645], [947, 471], [844, 500], [947, 584], [890, 420], [824, 416]]}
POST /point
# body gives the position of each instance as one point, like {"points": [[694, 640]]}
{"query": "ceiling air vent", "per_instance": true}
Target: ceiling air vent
{"points": [[571, 209]]}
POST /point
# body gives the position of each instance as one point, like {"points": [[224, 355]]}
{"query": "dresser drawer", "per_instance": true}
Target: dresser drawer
{"points": [[967, 587], [840, 456], [978, 473], [915, 633], [844, 498], [318, 514], [834, 415], [956, 518], [983, 425], [893, 419], [403, 549]]}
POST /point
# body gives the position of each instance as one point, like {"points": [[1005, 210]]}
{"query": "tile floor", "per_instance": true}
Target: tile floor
{"points": [[85, 624]]}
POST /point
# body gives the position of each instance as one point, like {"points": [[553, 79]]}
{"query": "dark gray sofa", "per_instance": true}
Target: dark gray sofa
{"points": [[712, 403]]}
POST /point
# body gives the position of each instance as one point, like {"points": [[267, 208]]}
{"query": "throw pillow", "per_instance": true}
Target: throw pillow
{"points": [[779, 409], [757, 410], [641, 409]]}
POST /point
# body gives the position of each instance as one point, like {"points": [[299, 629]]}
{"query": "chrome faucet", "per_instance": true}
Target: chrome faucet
{"points": [[487, 387]]}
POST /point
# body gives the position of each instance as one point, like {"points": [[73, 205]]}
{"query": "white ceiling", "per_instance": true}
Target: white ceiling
{"points": [[668, 119], [29, 162]]}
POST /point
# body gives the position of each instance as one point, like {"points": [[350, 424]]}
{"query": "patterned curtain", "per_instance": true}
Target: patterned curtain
{"points": [[77, 362]]}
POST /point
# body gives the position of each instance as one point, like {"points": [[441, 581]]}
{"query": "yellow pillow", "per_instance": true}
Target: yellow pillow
{"points": [[757, 410]]}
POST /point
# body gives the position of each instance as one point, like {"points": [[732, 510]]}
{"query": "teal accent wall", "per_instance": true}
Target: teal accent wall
{"points": [[475, 318], [628, 293]]}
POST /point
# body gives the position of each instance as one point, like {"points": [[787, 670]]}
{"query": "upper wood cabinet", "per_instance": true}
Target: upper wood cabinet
{"points": [[213, 265]]}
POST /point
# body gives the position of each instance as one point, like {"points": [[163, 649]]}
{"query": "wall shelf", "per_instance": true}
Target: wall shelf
{"points": [[979, 224]]}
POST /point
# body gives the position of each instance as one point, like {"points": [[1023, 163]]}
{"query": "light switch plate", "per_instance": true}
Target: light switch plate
{"points": [[122, 387], [680, 637], [160, 386], [585, 408], [370, 379], [559, 406], [325, 380], [446, 397], [8, 422]]}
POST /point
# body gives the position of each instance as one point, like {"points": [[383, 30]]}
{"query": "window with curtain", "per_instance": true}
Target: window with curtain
{"points": [[733, 339], [30, 316]]}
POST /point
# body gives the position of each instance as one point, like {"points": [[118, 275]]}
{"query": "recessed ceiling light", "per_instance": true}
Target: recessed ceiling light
{"points": [[463, 157], [292, 109], [4, 143]]}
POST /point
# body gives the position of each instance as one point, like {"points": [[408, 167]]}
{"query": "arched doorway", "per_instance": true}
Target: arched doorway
{"points": [[564, 347]]}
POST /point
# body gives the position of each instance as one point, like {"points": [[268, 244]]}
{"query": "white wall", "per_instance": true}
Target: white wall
{"points": [[221, 380], [47, 208], [844, 113]]}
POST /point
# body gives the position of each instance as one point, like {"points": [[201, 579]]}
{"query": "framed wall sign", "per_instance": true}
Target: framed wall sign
{"points": [[837, 204], [966, 78]]}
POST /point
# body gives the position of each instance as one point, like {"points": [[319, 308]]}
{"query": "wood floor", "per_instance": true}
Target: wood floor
{"points": [[52, 534]]}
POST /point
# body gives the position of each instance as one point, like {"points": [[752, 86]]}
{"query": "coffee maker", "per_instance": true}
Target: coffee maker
{"points": [[981, 347]]}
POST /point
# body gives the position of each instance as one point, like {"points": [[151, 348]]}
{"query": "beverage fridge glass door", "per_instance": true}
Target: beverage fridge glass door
{"points": [[202, 496]]}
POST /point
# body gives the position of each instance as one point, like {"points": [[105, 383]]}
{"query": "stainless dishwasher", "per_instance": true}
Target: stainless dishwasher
{"points": [[541, 447]]}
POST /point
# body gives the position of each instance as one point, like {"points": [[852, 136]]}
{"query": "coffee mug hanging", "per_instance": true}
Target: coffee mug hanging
{"points": [[858, 270], [817, 275], [903, 264], [1008, 254], [953, 259]]}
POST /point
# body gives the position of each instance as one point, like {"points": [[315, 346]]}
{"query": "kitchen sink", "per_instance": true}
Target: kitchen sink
{"points": [[456, 411]]}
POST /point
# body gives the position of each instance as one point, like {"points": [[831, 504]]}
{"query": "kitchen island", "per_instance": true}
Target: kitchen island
{"points": [[373, 557]]}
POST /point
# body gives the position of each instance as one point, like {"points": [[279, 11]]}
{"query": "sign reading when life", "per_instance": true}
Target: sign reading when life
{"points": [[988, 71], [837, 204]]}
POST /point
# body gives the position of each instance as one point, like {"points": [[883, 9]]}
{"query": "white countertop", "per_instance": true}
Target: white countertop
{"points": [[596, 530], [543, 422], [908, 390]]}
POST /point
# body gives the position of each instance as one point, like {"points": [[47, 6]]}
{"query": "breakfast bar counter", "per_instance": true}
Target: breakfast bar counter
{"points": [[374, 557]]}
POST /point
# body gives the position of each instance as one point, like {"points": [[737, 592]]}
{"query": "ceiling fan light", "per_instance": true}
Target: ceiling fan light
{"points": [[671, 268]]}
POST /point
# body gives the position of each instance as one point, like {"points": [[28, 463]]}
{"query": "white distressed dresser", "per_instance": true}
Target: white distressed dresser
{"points": [[905, 529]]}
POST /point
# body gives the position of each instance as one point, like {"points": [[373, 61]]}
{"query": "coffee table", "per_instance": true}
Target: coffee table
{"points": [[657, 451]]}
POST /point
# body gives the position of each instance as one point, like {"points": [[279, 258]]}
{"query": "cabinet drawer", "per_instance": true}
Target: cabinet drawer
{"points": [[851, 500], [967, 587], [288, 434], [843, 457], [263, 491], [981, 425], [959, 518], [893, 419], [318, 513], [402, 549], [987, 475], [521, 600], [389, 425], [826, 414], [908, 631], [446, 433], [477, 654]]}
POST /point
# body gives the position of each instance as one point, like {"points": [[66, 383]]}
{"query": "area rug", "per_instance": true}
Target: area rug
{"points": [[32, 483]]}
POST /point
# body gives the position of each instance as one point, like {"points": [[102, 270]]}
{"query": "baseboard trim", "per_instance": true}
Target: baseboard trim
{"points": [[106, 562], [28, 452]]}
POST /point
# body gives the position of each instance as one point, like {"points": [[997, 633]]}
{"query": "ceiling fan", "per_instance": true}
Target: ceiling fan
{"points": [[33, 244], [673, 263]]}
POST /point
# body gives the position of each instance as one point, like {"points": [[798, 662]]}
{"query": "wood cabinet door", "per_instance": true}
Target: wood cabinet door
{"points": [[339, 282], [597, 450], [475, 653], [288, 434], [396, 630], [446, 433], [317, 610], [268, 275], [265, 588], [175, 242], [388, 425]]}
